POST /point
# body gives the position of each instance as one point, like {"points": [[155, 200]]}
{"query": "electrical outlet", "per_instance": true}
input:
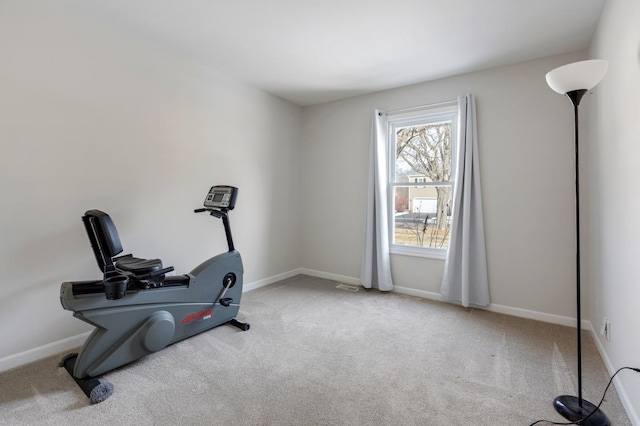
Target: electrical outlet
{"points": [[605, 329]]}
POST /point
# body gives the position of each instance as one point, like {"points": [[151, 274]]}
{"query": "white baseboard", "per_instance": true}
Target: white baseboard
{"points": [[418, 293], [538, 316], [501, 309], [35, 354], [328, 276], [270, 280]]}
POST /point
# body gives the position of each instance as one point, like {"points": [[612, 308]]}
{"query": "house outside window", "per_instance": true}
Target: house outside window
{"points": [[422, 147]]}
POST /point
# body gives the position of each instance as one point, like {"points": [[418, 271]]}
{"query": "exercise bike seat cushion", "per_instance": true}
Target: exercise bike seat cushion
{"points": [[138, 266]]}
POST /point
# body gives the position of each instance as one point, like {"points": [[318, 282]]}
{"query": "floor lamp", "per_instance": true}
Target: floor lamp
{"points": [[574, 80]]}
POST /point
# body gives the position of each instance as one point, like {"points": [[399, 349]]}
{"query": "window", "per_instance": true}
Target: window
{"points": [[422, 146]]}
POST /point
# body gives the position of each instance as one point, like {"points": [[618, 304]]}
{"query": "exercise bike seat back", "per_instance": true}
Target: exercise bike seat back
{"points": [[106, 246]]}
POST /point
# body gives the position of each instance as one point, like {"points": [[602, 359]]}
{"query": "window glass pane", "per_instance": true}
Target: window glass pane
{"points": [[423, 152], [422, 215]]}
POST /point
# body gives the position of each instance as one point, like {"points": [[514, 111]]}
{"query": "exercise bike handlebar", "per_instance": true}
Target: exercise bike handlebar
{"points": [[220, 214], [213, 212]]}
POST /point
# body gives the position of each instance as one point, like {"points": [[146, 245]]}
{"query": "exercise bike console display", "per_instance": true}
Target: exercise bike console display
{"points": [[221, 197]]}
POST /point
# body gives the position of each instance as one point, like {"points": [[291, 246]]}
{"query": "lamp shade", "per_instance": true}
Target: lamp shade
{"points": [[578, 75]]}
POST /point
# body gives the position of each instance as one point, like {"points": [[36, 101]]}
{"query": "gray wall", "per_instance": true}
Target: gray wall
{"points": [[613, 194], [526, 154], [92, 118]]}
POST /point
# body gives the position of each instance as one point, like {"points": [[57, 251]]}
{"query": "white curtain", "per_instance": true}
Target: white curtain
{"points": [[465, 277], [376, 267]]}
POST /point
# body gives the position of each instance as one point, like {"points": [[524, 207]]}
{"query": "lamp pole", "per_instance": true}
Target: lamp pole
{"points": [[571, 407], [575, 96]]}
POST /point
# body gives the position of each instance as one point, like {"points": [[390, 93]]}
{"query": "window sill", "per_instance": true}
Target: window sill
{"points": [[431, 253]]}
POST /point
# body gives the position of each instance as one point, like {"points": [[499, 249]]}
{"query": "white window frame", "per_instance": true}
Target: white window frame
{"points": [[414, 117]]}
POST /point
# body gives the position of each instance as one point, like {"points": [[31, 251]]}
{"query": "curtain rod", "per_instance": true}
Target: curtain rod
{"points": [[437, 104]]}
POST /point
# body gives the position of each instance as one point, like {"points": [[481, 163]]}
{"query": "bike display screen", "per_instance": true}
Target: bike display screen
{"points": [[221, 197]]}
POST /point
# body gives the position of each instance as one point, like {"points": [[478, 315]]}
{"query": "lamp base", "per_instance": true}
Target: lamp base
{"points": [[569, 408]]}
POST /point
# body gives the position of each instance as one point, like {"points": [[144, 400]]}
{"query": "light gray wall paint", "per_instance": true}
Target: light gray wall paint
{"points": [[526, 152], [91, 118], [614, 201]]}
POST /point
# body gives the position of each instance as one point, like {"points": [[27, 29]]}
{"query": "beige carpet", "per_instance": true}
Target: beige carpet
{"points": [[318, 355]]}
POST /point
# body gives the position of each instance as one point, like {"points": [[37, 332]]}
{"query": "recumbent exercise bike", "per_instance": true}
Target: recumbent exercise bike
{"points": [[137, 310]]}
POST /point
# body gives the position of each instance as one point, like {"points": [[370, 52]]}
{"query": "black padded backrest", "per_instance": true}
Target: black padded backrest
{"points": [[103, 236]]}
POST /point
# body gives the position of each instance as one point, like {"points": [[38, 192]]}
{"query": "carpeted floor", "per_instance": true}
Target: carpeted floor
{"points": [[319, 355]]}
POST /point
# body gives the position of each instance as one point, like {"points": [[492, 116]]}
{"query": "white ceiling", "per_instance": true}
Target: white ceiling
{"points": [[313, 51]]}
